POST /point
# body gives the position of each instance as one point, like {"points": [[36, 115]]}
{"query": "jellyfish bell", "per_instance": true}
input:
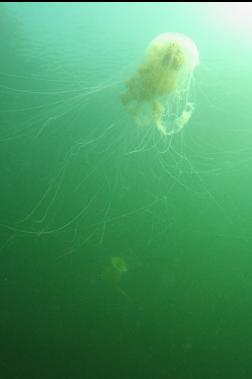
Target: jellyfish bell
{"points": [[159, 91], [185, 51]]}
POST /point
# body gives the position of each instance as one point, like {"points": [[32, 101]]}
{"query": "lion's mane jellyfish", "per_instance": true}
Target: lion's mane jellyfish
{"points": [[158, 92]]}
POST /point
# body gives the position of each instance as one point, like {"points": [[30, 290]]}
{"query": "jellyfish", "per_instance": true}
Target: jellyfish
{"points": [[158, 92], [112, 275], [113, 272], [119, 264]]}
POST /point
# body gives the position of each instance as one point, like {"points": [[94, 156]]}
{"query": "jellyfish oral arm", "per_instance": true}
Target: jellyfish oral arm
{"points": [[185, 116], [180, 122]]}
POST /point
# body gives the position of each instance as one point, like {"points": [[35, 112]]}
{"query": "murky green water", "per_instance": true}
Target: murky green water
{"points": [[81, 184]]}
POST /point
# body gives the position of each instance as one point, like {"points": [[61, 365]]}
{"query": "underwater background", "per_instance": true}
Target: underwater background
{"points": [[123, 253]]}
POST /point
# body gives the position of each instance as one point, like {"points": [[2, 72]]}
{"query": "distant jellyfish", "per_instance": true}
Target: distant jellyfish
{"points": [[158, 92], [119, 264], [112, 273]]}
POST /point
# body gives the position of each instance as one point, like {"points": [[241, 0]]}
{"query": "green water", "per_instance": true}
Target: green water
{"points": [[82, 183]]}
